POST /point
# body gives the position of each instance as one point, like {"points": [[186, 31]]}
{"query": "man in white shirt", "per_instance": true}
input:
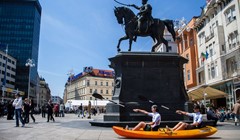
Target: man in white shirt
{"points": [[197, 120], [151, 126], [17, 103]]}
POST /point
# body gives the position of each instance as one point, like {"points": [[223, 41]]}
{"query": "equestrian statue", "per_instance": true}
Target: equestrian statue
{"points": [[142, 25]]}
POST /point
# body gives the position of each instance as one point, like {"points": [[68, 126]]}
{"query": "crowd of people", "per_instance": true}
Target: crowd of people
{"points": [[20, 110], [222, 113]]}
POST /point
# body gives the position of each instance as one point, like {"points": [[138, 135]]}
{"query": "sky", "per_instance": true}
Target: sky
{"points": [[79, 33]]}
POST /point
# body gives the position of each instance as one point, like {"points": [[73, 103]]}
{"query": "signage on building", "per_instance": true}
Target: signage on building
{"points": [[88, 69]]}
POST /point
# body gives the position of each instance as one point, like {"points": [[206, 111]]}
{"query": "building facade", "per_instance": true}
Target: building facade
{"points": [[7, 63], [218, 30], [187, 47], [20, 29], [56, 100], [44, 92], [83, 85]]}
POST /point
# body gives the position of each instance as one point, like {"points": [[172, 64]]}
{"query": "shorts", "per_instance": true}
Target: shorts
{"points": [[149, 128], [189, 127]]}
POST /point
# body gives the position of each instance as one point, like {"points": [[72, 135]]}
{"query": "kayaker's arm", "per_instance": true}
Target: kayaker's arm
{"points": [[195, 124], [140, 110], [181, 112]]}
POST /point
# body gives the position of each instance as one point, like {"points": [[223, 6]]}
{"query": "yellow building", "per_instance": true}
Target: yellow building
{"points": [[83, 85]]}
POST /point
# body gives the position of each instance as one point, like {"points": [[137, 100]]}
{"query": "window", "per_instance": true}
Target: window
{"points": [[90, 90], [106, 83], [188, 75], [199, 78], [95, 83], [216, 68], [101, 83], [210, 50], [213, 70], [90, 98], [209, 72], [88, 83], [233, 39], [106, 91], [230, 15], [101, 91], [187, 56]]}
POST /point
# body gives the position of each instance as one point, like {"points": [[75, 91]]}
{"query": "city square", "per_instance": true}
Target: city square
{"points": [[119, 69], [72, 127]]}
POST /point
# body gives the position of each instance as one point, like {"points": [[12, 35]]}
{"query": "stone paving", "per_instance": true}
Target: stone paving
{"points": [[72, 127]]}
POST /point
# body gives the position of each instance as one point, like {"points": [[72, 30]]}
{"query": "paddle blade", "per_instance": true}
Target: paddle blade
{"points": [[98, 96], [165, 107]]}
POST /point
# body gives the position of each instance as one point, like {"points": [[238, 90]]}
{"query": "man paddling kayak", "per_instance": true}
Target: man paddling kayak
{"points": [[197, 120], [151, 126]]}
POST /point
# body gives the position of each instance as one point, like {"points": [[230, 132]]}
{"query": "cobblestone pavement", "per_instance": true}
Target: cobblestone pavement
{"points": [[72, 127]]}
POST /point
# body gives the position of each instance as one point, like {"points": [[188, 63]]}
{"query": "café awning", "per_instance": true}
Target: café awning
{"points": [[198, 93]]}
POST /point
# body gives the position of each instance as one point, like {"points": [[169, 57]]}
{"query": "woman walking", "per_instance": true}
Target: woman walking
{"points": [[50, 111], [32, 110]]}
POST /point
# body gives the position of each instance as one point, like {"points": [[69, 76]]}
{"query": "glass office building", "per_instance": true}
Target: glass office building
{"points": [[20, 29]]}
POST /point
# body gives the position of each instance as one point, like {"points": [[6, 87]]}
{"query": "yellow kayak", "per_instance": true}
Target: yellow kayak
{"points": [[163, 133]]}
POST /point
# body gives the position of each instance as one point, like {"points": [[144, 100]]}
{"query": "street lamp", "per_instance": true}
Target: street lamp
{"points": [[30, 63]]}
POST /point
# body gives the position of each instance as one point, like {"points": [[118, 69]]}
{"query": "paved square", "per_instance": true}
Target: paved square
{"points": [[72, 127]]}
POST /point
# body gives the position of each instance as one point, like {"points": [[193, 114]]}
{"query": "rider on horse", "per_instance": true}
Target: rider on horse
{"points": [[145, 16]]}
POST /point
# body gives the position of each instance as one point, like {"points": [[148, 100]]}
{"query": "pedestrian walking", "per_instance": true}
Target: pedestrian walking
{"points": [[50, 111], [17, 103], [43, 111], [56, 110], [81, 113], [61, 109], [89, 110], [32, 110], [26, 110], [236, 112], [10, 110]]}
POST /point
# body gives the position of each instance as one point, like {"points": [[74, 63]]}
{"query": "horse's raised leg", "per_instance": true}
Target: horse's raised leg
{"points": [[119, 42]]}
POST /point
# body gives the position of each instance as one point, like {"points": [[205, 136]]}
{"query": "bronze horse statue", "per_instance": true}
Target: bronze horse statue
{"points": [[126, 17]]}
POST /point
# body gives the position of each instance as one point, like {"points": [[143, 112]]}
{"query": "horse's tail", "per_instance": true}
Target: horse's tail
{"points": [[170, 27]]}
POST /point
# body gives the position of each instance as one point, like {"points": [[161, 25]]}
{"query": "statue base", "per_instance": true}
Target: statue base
{"points": [[156, 76]]}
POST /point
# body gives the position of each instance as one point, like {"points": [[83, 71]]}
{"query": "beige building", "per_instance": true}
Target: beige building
{"points": [[7, 63], [83, 85]]}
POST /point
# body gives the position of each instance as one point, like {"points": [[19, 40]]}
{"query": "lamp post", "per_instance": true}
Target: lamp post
{"points": [[30, 63]]}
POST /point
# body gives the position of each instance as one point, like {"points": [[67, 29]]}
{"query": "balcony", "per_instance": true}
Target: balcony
{"points": [[209, 37]]}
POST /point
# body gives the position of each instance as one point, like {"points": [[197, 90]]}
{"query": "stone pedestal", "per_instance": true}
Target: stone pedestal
{"points": [[157, 76]]}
